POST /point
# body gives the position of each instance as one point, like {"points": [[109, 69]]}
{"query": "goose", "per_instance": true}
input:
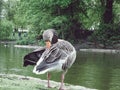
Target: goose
{"points": [[57, 55]]}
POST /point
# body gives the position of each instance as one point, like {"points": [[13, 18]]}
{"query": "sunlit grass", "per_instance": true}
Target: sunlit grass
{"points": [[14, 83]]}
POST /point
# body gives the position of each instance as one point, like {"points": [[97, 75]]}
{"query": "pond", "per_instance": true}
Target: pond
{"points": [[93, 70]]}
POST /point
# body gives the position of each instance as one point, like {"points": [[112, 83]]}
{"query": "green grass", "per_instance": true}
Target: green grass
{"points": [[18, 82], [14, 83]]}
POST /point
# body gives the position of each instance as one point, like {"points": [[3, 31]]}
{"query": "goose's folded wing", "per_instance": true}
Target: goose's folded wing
{"points": [[33, 57], [54, 55], [50, 58]]}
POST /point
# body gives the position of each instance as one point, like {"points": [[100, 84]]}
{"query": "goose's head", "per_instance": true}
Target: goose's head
{"points": [[50, 37]]}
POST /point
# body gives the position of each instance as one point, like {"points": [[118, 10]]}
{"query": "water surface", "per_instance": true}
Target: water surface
{"points": [[93, 70]]}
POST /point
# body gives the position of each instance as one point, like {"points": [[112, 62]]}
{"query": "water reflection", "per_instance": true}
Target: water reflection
{"points": [[94, 70], [11, 58]]}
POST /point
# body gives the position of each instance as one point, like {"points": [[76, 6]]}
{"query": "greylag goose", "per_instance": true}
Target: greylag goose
{"points": [[58, 55]]}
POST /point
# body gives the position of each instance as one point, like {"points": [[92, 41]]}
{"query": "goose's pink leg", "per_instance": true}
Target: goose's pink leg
{"points": [[48, 77], [62, 81]]}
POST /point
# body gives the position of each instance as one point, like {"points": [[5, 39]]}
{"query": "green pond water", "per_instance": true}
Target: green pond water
{"points": [[93, 70]]}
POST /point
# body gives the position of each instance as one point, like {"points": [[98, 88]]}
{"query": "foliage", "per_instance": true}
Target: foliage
{"points": [[68, 17], [1, 7], [29, 39], [108, 31], [61, 15], [1, 4], [108, 36], [5, 29], [7, 24]]}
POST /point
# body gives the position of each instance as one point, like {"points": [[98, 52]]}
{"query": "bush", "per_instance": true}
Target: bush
{"points": [[5, 29], [108, 35], [30, 39]]}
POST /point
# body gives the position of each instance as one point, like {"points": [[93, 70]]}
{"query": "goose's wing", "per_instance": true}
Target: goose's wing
{"points": [[65, 46], [50, 58], [33, 57], [53, 55], [58, 51], [62, 54], [68, 48]]}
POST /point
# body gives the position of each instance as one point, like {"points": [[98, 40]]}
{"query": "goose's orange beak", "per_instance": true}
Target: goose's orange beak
{"points": [[48, 44]]}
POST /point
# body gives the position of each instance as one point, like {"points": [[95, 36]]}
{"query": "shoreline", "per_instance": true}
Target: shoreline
{"points": [[82, 49], [10, 81], [8, 42], [79, 47], [27, 46], [101, 50]]}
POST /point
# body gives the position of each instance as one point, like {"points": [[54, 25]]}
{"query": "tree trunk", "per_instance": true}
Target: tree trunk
{"points": [[108, 14], [107, 21]]}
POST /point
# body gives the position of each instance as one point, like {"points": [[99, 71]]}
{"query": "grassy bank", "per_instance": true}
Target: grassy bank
{"points": [[17, 82]]}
